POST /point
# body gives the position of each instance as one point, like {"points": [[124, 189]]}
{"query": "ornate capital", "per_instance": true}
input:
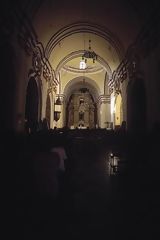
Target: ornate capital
{"points": [[103, 99], [36, 62], [118, 77]]}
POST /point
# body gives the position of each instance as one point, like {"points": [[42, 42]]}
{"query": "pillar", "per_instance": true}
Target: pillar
{"points": [[104, 116]]}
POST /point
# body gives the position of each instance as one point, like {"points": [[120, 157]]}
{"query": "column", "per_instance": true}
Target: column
{"points": [[61, 121], [104, 115]]}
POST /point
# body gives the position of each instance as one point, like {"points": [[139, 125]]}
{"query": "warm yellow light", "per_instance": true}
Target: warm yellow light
{"points": [[57, 108], [118, 105], [82, 65], [112, 104]]}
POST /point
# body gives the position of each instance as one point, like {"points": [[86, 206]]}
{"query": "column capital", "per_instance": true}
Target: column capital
{"points": [[104, 99]]}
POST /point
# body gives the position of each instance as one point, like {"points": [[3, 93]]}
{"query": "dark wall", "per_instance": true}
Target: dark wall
{"points": [[136, 106]]}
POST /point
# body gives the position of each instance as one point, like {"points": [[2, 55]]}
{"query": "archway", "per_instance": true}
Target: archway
{"points": [[31, 108], [81, 110], [136, 107], [81, 98]]}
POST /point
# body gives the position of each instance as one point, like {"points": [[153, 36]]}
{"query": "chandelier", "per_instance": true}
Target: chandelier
{"points": [[88, 54]]}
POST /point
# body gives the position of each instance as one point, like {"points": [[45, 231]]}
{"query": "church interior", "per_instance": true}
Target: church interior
{"points": [[80, 118]]}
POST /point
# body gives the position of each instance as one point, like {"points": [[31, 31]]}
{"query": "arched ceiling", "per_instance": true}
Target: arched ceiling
{"points": [[68, 52], [122, 17], [77, 83], [120, 20], [73, 66], [65, 28], [118, 16]]}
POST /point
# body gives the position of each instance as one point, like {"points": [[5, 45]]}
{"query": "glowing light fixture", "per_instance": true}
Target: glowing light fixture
{"points": [[82, 64], [89, 54]]}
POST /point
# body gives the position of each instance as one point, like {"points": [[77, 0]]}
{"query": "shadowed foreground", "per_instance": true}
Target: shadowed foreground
{"points": [[91, 198]]}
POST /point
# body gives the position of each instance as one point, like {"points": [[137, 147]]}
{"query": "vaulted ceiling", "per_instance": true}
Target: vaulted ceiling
{"points": [[65, 27]]}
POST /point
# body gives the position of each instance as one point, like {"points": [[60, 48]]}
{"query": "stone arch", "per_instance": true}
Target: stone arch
{"points": [[78, 83], [80, 27], [91, 92], [78, 54]]}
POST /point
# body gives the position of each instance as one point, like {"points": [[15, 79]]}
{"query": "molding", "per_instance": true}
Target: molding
{"points": [[97, 69], [82, 27], [103, 99], [79, 53]]}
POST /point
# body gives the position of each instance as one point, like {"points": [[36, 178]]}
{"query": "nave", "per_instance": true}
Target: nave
{"points": [[80, 119]]}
